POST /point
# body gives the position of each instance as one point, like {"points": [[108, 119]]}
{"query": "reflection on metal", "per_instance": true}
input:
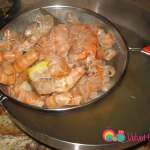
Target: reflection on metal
{"points": [[2, 98], [134, 49]]}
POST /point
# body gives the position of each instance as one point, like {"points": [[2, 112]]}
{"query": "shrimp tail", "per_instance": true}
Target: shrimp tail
{"points": [[26, 60]]}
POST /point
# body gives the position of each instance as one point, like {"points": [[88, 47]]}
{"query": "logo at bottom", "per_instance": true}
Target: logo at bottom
{"points": [[110, 135]]}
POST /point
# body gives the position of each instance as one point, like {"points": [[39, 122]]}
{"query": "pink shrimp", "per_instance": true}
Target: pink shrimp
{"points": [[5, 45], [104, 73], [84, 41], [60, 40], [97, 79], [8, 74], [57, 68], [35, 31], [63, 99], [9, 56], [43, 46], [71, 17], [8, 46], [64, 84], [109, 54], [57, 42], [8, 40], [89, 85], [26, 60], [23, 91], [106, 40]]}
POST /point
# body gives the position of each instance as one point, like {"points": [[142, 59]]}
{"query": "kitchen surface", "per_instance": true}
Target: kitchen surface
{"points": [[12, 138], [132, 19]]}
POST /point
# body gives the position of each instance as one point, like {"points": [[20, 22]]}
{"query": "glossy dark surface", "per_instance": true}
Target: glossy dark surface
{"points": [[11, 13], [127, 107]]}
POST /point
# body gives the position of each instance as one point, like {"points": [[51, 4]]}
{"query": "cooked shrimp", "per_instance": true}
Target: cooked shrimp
{"points": [[31, 29], [10, 35], [58, 100], [63, 99], [5, 45], [60, 40], [26, 60], [35, 31], [46, 22], [9, 40], [106, 54], [71, 17], [89, 85], [43, 46], [108, 73], [30, 98], [10, 55], [100, 53], [98, 79], [64, 84], [109, 54], [8, 74], [23, 92], [50, 102], [8, 44], [101, 67], [106, 40], [57, 42], [50, 67], [23, 76], [84, 41], [110, 70], [57, 67]]}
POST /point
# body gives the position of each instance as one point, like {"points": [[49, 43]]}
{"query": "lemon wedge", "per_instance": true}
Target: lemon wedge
{"points": [[37, 69]]}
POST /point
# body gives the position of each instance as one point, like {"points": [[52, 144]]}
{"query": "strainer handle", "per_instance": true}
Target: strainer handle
{"points": [[145, 50], [2, 98]]}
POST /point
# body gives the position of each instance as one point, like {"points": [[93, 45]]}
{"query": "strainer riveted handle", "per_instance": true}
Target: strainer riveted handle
{"points": [[145, 50], [2, 98]]}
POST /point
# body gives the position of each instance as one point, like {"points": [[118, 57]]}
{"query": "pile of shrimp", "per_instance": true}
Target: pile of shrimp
{"points": [[71, 59]]}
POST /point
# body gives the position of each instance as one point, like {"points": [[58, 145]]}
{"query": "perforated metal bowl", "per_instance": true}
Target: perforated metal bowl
{"points": [[85, 16]]}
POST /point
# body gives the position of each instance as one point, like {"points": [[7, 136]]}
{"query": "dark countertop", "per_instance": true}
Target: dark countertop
{"points": [[12, 138]]}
